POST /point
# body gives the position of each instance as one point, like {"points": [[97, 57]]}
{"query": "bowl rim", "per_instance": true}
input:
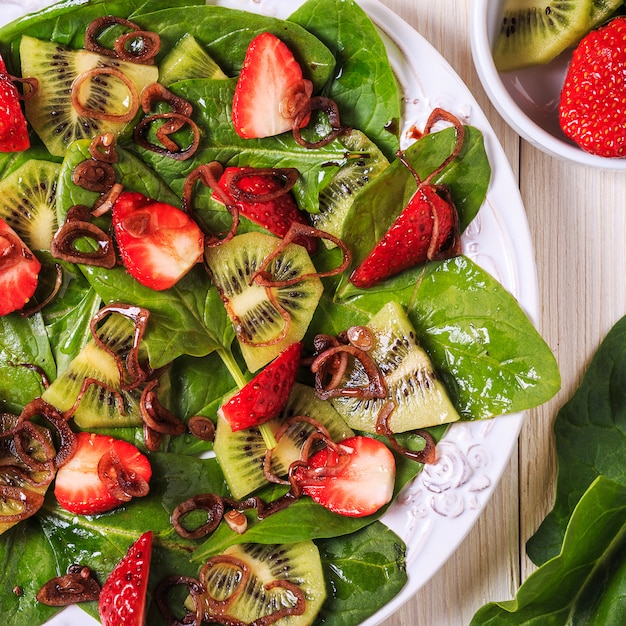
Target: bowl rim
{"points": [[508, 108]]}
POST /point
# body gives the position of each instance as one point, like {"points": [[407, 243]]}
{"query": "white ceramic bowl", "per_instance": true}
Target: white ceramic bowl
{"points": [[527, 99]]}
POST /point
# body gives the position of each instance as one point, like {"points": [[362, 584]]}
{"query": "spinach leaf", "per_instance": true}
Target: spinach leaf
{"points": [[226, 34], [23, 341], [584, 583], [26, 563], [483, 346], [364, 86], [590, 439], [221, 143], [364, 570]]}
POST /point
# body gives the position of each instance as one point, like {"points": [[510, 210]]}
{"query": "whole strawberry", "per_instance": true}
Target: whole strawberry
{"points": [[592, 109]]}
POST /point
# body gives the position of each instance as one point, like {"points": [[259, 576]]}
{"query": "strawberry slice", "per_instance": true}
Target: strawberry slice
{"points": [[355, 482], [270, 90], [276, 215], [13, 125], [158, 243], [264, 397], [19, 271], [79, 487], [123, 596], [423, 229]]}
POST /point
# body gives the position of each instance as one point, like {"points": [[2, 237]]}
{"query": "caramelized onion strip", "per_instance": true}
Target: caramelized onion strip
{"points": [[172, 150], [122, 483], [27, 312], [155, 415], [195, 591], [211, 503], [288, 176], [217, 608], [63, 244], [297, 231], [137, 46], [96, 27], [438, 115], [28, 501], [318, 103], [78, 585]]}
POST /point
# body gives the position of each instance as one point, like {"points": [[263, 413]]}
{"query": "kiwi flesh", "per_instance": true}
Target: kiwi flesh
{"points": [[28, 202], [99, 407], [254, 309], [297, 563], [241, 454], [188, 59], [533, 32], [50, 110], [412, 384], [14, 472], [601, 10], [364, 163]]}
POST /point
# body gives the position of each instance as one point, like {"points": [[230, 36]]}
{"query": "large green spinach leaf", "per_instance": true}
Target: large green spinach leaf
{"points": [[590, 439], [585, 582], [364, 87]]}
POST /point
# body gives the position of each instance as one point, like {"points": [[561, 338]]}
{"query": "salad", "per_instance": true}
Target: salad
{"points": [[499, 365]]}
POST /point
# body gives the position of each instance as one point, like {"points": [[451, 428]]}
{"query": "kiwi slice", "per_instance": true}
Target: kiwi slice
{"points": [[296, 563], [602, 10], [50, 110], [259, 313], [15, 473], [412, 384], [28, 202], [241, 454], [533, 32], [100, 405], [336, 198], [188, 59]]}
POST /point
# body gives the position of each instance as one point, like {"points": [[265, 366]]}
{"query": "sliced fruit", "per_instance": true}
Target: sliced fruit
{"points": [[592, 108], [412, 383], [78, 486], [270, 90], [336, 198], [602, 10], [51, 111], [428, 222], [533, 32], [266, 319], [158, 243], [188, 59], [19, 271], [18, 482], [276, 215], [272, 570], [28, 202], [103, 405], [264, 397], [13, 125], [123, 596], [241, 454], [360, 477]]}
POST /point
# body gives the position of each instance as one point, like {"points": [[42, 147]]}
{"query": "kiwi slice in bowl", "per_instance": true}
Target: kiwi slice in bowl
{"points": [[412, 384], [265, 590], [50, 110], [241, 454], [266, 319], [28, 202], [533, 32]]}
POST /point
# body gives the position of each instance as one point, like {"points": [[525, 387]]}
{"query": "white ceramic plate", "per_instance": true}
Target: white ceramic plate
{"points": [[437, 511], [527, 99]]}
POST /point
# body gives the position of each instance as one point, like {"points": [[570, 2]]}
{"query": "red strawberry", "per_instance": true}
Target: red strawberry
{"points": [[158, 243], [270, 90], [264, 397], [19, 271], [275, 215], [123, 597], [421, 231], [79, 488], [13, 126], [359, 481], [592, 109]]}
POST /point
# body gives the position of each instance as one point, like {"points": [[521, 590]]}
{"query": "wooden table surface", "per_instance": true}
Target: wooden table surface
{"points": [[576, 217]]}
